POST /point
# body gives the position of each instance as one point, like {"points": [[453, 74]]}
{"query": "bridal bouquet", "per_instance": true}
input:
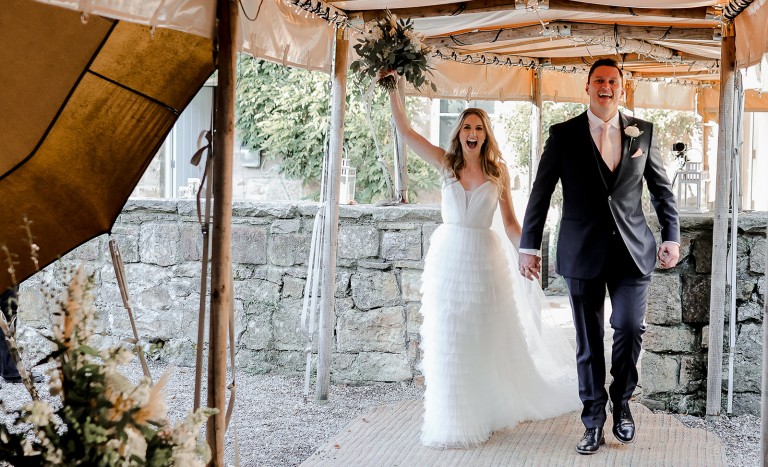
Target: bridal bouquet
{"points": [[102, 418], [391, 44]]}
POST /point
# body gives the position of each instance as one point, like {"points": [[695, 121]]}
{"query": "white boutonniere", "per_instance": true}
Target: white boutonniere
{"points": [[633, 132]]}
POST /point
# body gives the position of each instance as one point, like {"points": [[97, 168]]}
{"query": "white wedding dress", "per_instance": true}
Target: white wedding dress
{"points": [[487, 360]]}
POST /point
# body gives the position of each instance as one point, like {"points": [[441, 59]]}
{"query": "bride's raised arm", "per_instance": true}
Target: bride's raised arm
{"points": [[435, 155]]}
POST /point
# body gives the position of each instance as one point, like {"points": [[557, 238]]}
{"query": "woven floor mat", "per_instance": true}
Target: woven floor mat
{"points": [[389, 436]]}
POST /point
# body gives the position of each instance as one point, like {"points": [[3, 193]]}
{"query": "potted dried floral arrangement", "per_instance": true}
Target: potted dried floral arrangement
{"points": [[100, 418]]}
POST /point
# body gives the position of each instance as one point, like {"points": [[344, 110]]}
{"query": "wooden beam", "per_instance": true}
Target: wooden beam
{"points": [[635, 32], [680, 74], [632, 59], [571, 29], [448, 9], [486, 37], [690, 13], [487, 6], [720, 231]]}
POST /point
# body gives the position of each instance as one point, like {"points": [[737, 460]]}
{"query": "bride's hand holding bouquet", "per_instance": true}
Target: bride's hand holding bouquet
{"points": [[392, 46]]}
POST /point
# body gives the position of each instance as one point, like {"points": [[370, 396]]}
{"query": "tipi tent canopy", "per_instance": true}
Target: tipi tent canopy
{"points": [[669, 48]]}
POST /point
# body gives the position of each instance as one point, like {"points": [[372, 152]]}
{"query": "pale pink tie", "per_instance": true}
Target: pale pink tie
{"points": [[606, 146]]}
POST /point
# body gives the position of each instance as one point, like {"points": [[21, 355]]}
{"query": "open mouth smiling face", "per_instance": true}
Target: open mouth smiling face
{"points": [[605, 88], [472, 134]]}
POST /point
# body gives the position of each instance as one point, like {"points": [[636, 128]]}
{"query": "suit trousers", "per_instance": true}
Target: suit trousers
{"points": [[8, 368], [628, 291]]}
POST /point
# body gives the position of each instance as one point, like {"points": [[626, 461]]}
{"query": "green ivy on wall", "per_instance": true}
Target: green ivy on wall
{"points": [[284, 113]]}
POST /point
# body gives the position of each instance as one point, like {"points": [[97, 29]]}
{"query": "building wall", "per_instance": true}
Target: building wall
{"points": [[676, 342]]}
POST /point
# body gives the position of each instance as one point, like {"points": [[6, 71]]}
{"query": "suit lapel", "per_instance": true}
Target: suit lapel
{"points": [[624, 122]]}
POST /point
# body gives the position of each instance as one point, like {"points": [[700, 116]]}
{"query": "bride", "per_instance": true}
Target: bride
{"points": [[487, 362]]}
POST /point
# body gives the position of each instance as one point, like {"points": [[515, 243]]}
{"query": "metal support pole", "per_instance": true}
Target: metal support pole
{"points": [[331, 220]]}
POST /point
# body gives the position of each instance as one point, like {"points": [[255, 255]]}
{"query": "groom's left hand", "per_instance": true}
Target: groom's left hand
{"points": [[669, 254]]}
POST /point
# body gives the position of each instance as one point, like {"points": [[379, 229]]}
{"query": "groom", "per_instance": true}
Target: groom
{"points": [[601, 158]]}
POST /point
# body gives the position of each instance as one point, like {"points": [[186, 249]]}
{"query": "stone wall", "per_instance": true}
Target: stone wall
{"points": [[380, 254], [674, 364], [380, 257]]}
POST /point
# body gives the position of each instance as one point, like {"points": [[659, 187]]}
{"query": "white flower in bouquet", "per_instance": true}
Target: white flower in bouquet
{"points": [[38, 413], [390, 44]]}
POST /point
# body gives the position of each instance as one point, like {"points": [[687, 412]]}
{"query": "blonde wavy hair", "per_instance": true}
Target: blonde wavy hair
{"points": [[491, 160]]}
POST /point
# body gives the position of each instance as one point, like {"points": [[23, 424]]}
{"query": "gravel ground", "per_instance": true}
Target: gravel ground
{"points": [[275, 427], [740, 435]]}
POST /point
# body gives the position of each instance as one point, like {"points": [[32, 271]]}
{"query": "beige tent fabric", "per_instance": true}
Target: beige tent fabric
{"points": [[277, 31], [752, 34], [665, 96], [754, 101], [269, 29], [469, 82], [463, 81], [85, 109]]}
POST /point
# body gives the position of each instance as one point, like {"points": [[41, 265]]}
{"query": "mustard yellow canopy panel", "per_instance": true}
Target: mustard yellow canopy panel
{"points": [[85, 106]]}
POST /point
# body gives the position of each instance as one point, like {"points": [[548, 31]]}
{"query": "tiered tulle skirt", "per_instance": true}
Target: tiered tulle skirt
{"points": [[479, 372]]}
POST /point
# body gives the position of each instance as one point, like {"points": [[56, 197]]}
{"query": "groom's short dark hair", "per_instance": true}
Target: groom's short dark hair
{"points": [[605, 62]]}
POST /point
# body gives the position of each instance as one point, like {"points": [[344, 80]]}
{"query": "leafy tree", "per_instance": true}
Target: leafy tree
{"points": [[672, 126], [518, 123], [284, 112]]}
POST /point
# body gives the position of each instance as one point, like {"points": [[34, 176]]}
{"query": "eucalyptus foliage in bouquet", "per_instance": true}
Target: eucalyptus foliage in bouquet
{"points": [[102, 418], [391, 44]]}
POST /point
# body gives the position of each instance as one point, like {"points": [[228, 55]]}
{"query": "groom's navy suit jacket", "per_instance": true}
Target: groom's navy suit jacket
{"points": [[596, 202]]}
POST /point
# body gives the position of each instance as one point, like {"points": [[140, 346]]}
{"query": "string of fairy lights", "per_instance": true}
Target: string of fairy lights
{"points": [[336, 17], [340, 19]]}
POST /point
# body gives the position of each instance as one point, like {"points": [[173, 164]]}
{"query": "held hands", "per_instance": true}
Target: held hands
{"points": [[530, 266], [669, 253]]}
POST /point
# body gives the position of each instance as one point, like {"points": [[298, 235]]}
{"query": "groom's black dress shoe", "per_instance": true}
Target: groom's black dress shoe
{"points": [[591, 441], [623, 424], [34, 376]]}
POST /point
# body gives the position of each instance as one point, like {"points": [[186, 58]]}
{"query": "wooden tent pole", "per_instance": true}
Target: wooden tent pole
{"points": [[221, 268], [629, 89], [401, 156], [331, 227], [536, 127], [720, 232], [764, 390]]}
